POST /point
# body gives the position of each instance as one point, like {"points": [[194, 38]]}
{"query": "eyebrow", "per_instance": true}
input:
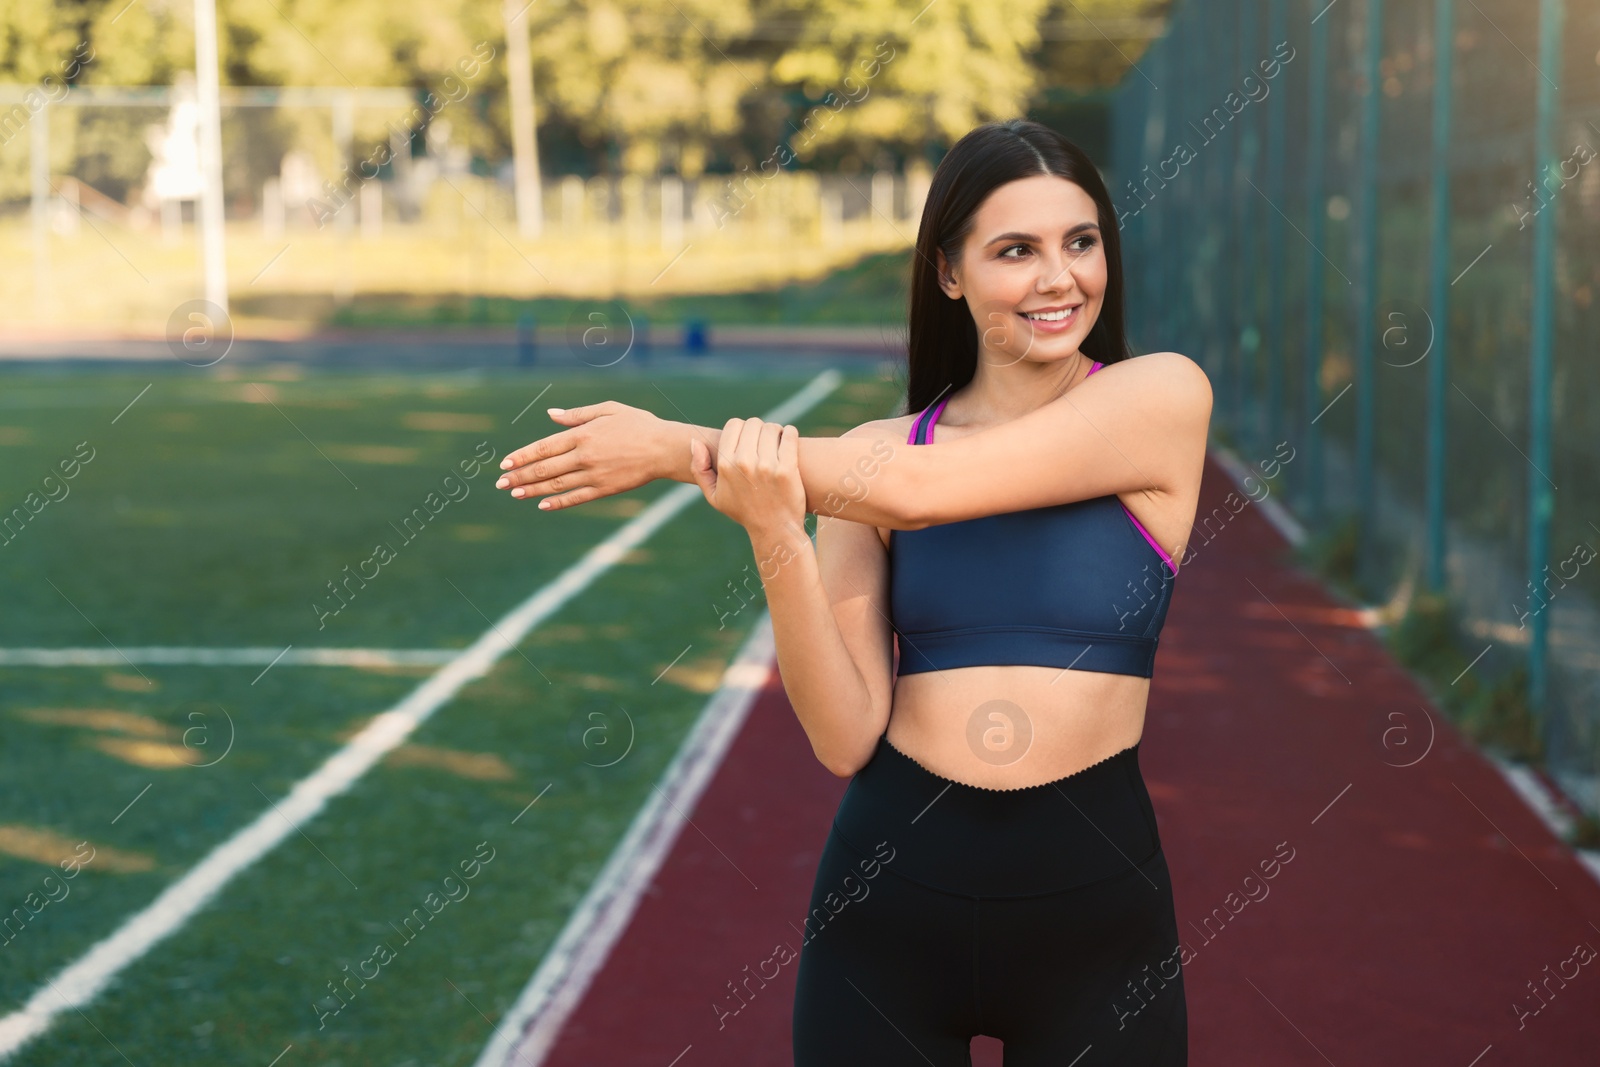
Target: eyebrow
{"points": [[1015, 236]]}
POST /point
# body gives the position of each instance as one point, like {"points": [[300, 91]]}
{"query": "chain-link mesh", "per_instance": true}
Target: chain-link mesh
{"points": [[1236, 207]]}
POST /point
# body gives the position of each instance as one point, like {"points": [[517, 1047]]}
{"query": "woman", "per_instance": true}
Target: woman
{"points": [[1025, 562]]}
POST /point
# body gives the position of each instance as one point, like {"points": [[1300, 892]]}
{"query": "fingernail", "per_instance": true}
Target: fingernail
{"points": [[519, 491], [544, 505], [556, 411], [505, 464], [501, 484]]}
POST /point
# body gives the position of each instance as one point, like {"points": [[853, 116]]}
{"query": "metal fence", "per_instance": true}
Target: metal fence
{"points": [[1377, 224], [328, 156]]}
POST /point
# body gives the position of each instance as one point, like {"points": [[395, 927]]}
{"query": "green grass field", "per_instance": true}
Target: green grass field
{"points": [[208, 517]]}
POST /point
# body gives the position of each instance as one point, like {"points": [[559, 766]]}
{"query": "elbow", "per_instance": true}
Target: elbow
{"points": [[907, 506], [846, 760], [840, 764]]}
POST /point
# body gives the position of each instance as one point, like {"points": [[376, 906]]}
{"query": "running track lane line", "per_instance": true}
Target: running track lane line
{"points": [[525, 1034], [1544, 798], [76, 985]]}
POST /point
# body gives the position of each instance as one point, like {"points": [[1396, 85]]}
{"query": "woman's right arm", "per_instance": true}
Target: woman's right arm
{"points": [[830, 617]]}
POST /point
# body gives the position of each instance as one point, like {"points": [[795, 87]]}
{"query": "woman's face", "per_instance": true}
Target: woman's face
{"points": [[1034, 249]]}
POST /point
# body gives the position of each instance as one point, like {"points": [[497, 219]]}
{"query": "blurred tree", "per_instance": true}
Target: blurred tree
{"points": [[663, 79], [906, 76], [636, 85]]}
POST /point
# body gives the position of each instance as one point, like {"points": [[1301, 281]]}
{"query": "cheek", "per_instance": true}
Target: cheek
{"points": [[1092, 274]]}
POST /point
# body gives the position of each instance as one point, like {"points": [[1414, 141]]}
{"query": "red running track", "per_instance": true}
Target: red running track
{"points": [[1422, 904]]}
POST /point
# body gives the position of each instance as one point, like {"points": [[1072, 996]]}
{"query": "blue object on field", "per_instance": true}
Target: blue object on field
{"points": [[525, 328], [694, 336], [641, 337]]}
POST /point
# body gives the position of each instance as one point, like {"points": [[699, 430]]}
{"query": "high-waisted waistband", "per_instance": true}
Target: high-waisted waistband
{"points": [[972, 841]]}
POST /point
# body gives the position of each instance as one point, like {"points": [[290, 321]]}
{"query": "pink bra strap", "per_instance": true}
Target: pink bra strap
{"points": [[911, 439]]}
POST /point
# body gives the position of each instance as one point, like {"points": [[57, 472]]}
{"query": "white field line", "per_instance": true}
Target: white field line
{"points": [[76, 985], [525, 1034], [227, 657]]}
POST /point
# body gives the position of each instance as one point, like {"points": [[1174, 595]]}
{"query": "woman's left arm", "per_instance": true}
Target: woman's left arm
{"points": [[1139, 424]]}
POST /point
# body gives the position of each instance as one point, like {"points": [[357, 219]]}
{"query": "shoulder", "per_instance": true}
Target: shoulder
{"points": [[1169, 379], [897, 428]]}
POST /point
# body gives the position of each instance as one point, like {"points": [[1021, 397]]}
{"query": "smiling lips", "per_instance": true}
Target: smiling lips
{"points": [[1052, 319]]}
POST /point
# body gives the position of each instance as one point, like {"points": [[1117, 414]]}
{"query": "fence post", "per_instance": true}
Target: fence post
{"points": [[1180, 292], [1247, 208], [671, 212], [39, 179], [1150, 250], [1317, 225], [344, 126], [1367, 296], [1277, 330], [1444, 38], [1544, 253]]}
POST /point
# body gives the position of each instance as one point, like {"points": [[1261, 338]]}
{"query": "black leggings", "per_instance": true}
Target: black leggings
{"points": [[1040, 916]]}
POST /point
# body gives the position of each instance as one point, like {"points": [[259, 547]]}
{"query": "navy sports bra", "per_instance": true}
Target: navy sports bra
{"points": [[1080, 585]]}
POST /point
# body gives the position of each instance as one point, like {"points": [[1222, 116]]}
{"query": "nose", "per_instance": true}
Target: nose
{"points": [[1055, 274]]}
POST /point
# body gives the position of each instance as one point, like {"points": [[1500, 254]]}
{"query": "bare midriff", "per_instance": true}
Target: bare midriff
{"points": [[1014, 726]]}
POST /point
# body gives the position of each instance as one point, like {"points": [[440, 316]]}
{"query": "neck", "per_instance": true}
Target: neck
{"points": [[1004, 389]]}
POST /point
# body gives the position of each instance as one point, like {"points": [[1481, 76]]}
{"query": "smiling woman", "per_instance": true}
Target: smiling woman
{"points": [[959, 630]]}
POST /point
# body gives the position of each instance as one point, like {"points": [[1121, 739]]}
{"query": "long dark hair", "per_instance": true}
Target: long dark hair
{"points": [[942, 340]]}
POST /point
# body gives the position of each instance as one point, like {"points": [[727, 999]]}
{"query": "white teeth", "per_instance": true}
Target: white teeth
{"points": [[1050, 316]]}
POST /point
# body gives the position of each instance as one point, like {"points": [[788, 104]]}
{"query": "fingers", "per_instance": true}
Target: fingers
{"points": [[541, 475], [700, 467], [748, 444], [567, 500], [728, 443], [767, 458], [555, 444], [544, 448]]}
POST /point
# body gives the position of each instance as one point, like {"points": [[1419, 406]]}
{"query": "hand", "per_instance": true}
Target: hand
{"points": [[756, 480], [608, 448]]}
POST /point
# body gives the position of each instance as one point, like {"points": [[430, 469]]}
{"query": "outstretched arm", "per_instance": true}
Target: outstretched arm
{"points": [[1137, 425]]}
